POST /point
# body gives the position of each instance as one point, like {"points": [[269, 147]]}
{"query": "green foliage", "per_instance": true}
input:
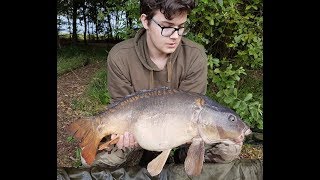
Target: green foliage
{"points": [[70, 139], [223, 89], [96, 96], [65, 65], [77, 161], [126, 33], [73, 57], [98, 88], [132, 7], [231, 31]]}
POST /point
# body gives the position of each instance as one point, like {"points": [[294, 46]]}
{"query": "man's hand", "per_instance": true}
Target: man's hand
{"points": [[125, 141]]}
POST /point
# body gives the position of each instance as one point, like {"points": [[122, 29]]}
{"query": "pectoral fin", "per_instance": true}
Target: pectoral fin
{"points": [[155, 166], [195, 157]]}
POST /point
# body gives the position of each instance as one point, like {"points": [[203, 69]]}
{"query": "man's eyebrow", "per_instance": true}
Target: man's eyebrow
{"points": [[170, 24]]}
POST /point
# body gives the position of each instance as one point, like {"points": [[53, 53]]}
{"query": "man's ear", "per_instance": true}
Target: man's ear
{"points": [[144, 21]]}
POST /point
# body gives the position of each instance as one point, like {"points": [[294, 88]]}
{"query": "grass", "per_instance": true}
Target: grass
{"points": [[67, 64], [96, 96], [77, 161], [69, 57], [73, 57]]}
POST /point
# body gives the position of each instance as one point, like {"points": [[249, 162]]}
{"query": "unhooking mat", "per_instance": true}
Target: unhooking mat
{"points": [[240, 169]]}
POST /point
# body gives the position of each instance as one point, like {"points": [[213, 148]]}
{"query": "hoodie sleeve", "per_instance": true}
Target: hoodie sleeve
{"points": [[196, 78], [118, 84]]}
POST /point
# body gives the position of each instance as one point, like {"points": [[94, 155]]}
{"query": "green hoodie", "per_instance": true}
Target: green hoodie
{"points": [[130, 68]]}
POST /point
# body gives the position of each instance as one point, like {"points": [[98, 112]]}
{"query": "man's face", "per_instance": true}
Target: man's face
{"points": [[159, 43]]}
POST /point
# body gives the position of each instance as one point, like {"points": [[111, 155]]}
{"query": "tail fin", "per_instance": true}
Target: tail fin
{"points": [[85, 130]]}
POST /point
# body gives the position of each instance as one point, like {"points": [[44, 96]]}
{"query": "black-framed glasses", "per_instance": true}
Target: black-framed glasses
{"points": [[168, 31]]}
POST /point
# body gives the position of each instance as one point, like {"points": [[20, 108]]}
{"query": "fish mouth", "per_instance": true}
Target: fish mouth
{"points": [[239, 140], [247, 132], [244, 133]]}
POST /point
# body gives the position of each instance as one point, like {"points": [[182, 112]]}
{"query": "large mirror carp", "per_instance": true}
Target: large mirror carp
{"points": [[160, 120]]}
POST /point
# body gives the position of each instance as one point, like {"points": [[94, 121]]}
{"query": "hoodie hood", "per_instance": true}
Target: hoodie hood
{"points": [[142, 51]]}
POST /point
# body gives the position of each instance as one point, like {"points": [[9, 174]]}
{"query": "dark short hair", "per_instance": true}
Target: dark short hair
{"points": [[167, 7]]}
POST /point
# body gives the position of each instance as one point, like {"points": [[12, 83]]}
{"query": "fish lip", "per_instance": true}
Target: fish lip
{"points": [[239, 140], [247, 132], [234, 141]]}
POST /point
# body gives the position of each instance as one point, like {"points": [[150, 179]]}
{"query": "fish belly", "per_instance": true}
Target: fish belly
{"points": [[161, 131]]}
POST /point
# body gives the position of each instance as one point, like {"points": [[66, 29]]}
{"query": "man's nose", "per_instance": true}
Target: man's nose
{"points": [[175, 34]]}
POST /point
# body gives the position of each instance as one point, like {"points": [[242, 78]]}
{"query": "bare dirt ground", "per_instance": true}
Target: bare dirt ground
{"points": [[69, 87]]}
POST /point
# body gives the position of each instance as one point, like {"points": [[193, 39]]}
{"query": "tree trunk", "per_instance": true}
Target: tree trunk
{"points": [[58, 42], [89, 35], [92, 31], [69, 28], [85, 24], [97, 30], [74, 22], [117, 20], [110, 27], [129, 21]]}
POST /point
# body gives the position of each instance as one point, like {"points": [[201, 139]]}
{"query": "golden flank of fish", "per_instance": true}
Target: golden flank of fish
{"points": [[160, 120]]}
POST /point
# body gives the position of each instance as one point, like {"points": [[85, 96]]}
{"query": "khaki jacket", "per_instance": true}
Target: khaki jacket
{"points": [[130, 69]]}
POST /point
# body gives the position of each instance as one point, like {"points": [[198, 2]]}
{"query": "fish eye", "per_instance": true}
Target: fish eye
{"points": [[232, 118]]}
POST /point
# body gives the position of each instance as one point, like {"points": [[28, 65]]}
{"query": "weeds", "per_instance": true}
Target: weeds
{"points": [[96, 96], [73, 57], [77, 161]]}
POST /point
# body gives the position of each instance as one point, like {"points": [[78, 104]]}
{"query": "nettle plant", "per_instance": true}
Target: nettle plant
{"points": [[231, 31]]}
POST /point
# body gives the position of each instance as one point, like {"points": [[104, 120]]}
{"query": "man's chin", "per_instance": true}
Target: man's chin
{"points": [[169, 50]]}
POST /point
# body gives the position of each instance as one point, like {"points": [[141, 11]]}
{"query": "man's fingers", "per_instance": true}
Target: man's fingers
{"points": [[136, 145], [120, 142], [132, 140], [126, 139]]}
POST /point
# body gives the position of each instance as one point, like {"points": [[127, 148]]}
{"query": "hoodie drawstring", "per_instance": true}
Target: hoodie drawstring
{"points": [[151, 83], [169, 69], [169, 74]]}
